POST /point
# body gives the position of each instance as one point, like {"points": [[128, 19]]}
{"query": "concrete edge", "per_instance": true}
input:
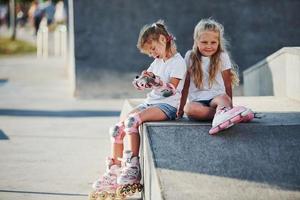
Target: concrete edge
{"points": [[290, 50], [150, 177], [128, 105]]}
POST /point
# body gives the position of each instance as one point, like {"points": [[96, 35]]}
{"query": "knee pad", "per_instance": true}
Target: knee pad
{"points": [[132, 123], [117, 133]]}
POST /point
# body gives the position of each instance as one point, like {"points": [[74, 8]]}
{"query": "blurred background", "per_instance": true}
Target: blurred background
{"points": [[97, 38], [20, 21]]}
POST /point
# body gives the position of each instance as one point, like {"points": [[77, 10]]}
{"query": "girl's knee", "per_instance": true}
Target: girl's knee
{"points": [[132, 123], [117, 133], [190, 108], [187, 109], [222, 98]]}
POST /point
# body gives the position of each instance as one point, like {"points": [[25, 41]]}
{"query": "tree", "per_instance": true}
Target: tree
{"points": [[12, 12]]}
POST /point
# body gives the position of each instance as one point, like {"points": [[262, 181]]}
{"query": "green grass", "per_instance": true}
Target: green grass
{"points": [[16, 47]]}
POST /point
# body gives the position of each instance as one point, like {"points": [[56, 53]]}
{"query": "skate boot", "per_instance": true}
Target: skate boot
{"points": [[147, 80], [248, 115], [105, 187], [226, 118], [129, 179]]}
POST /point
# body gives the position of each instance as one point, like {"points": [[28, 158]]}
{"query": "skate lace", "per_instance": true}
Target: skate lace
{"points": [[222, 110], [130, 171], [108, 177]]}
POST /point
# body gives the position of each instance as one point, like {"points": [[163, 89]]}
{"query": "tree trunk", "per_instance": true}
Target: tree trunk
{"points": [[13, 25]]}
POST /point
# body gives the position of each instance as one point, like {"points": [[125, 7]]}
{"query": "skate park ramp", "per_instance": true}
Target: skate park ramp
{"points": [[256, 160]]}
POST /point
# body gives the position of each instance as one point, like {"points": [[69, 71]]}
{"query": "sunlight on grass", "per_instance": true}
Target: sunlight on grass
{"points": [[9, 47]]}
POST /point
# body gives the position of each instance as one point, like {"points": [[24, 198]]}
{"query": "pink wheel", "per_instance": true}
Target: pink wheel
{"points": [[248, 117], [236, 119], [224, 125], [214, 130]]}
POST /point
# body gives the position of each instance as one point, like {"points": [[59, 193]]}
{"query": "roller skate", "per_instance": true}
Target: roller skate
{"points": [[226, 118], [105, 187], [129, 179], [146, 80]]}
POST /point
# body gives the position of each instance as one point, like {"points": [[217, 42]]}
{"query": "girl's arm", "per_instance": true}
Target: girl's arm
{"points": [[226, 74], [175, 81], [184, 95]]}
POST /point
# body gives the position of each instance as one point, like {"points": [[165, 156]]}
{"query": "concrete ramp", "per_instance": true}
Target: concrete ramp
{"points": [[257, 160]]}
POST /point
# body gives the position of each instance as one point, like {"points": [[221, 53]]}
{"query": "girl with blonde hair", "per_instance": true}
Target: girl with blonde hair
{"points": [[210, 78]]}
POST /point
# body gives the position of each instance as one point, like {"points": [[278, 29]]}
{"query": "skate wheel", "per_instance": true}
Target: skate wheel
{"points": [[93, 195], [140, 187], [112, 196], [120, 193], [224, 125], [246, 112], [236, 119], [214, 130], [102, 195], [248, 117]]}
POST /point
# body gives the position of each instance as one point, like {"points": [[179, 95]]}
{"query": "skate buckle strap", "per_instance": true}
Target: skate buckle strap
{"points": [[222, 110], [259, 115], [130, 171], [107, 178], [125, 160]]}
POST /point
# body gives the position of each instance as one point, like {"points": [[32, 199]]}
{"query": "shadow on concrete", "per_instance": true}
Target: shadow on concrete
{"points": [[3, 136], [259, 151], [3, 81], [62, 113], [43, 193]]}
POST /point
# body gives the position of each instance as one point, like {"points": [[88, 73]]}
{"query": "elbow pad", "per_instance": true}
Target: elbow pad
{"points": [[167, 89]]}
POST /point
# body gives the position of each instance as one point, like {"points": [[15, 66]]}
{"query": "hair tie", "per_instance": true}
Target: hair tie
{"points": [[170, 38]]}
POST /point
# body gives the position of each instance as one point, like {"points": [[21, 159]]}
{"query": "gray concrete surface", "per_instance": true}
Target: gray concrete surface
{"points": [[257, 160], [52, 146], [249, 161]]}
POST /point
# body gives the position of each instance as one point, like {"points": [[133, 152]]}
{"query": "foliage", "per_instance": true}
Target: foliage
{"points": [[9, 47], [22, 1]]}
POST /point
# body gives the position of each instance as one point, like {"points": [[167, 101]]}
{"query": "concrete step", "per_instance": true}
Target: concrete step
{"points": [[257, 160]]}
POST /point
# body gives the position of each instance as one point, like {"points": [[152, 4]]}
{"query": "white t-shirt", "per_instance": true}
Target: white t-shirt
{"points": [[217, 88], [173, 67]]}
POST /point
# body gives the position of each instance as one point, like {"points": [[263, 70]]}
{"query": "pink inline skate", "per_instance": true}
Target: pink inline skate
{"points": [[226, 118], [105, 187], [146, 80], [129, 179]]}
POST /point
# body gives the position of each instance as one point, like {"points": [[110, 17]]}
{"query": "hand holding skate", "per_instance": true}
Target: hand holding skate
{"points": [[146, 80], [150, 80]]}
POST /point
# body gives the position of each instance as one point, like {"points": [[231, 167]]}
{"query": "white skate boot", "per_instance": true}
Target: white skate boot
{"points": [[129, 179], [105, 187], [226, 118]]}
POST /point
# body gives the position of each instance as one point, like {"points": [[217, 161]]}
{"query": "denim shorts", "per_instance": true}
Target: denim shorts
{"points": [[169, 110], [205, 102]]}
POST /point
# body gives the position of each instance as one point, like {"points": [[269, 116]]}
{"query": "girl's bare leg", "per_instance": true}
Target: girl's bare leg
{"points": [[117, 149], [199, 111], [149, 114], [221, 101]]}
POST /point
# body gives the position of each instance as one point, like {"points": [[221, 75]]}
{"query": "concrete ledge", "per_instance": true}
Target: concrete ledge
{"points": [[258, 160], [249, 161], [289, 50], [277, 75]]}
